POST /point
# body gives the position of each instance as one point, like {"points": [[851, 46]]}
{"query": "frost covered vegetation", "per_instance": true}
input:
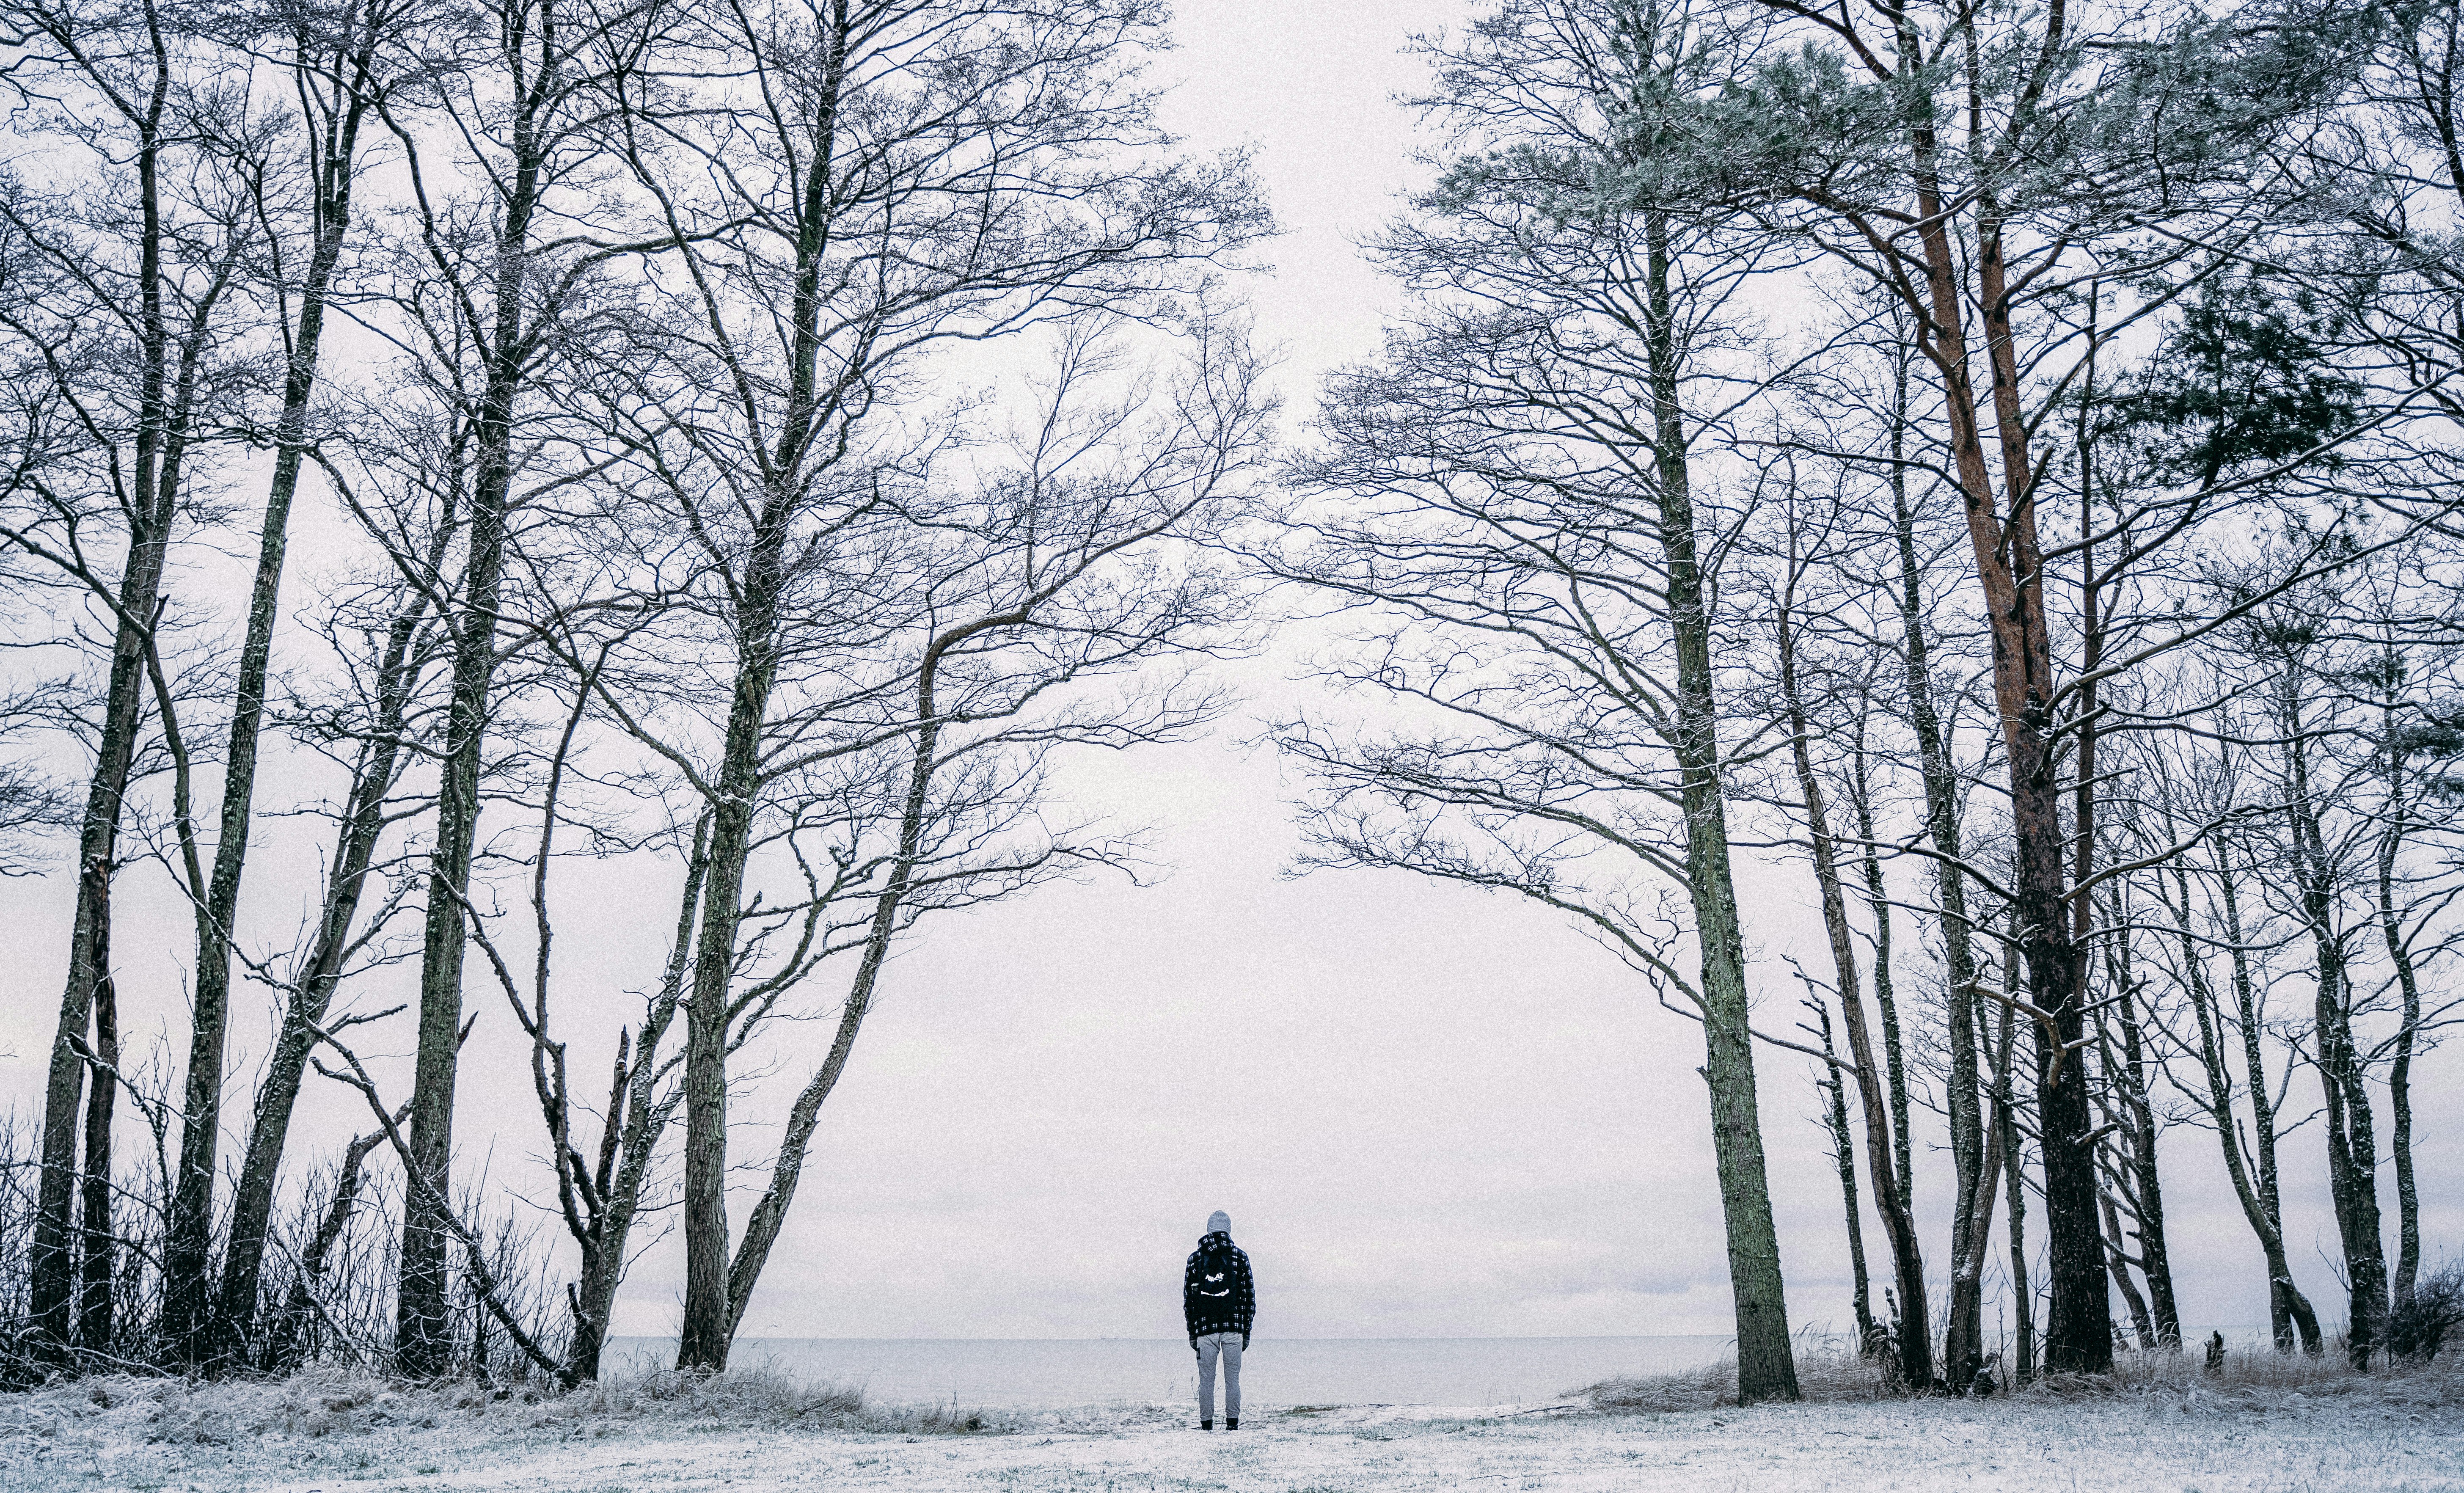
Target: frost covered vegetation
{"points": [[2265, 1422], [1997, 462]]}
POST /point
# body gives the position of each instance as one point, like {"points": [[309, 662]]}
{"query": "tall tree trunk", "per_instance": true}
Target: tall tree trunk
{"points": [[187, 1315], [706, 1334], [51, 1259], [1765, 1359], [708, 1325], [423, 1326], [1907, 1261]]}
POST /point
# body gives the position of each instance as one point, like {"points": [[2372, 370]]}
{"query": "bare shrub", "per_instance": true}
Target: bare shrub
{"points": [[765, 1397], [1826, 1373], [2418, 1326]]}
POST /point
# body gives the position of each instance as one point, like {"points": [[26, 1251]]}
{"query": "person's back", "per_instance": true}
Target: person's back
{"points": [[1218, 1301]]}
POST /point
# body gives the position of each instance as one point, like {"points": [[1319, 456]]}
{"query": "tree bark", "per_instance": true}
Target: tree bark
{"points": [[99, 1242], [187, 1302], [51, 1259], [423, 1326], [1844, 1156], [709, 1325], [1765, 1360]]}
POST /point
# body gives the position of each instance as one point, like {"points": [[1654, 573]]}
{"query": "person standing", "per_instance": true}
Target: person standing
{"points": [[1218, 1301]]}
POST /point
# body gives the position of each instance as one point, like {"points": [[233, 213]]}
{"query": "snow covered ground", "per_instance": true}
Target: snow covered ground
{"points": [[328, 1433]]}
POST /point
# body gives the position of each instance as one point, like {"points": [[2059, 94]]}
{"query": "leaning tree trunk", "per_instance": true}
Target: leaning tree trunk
{"points": [[362, 824], [2282, 1295], [1843, 1157], [423, 1327], [770, 1214], [1882, 1148]]}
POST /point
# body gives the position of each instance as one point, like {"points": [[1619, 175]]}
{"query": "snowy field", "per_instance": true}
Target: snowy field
{"points": [[328, 1433]]}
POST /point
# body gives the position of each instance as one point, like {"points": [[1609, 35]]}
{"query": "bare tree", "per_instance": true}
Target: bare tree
{"points": [[124, 296], [859, 185], [1509, 506]]}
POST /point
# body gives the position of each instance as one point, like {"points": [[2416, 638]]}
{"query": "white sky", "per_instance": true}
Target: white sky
{"points": [[1429, 1112]]}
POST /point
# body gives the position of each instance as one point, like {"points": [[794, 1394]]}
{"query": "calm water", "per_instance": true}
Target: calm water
{"points": [[1039, 1374]]}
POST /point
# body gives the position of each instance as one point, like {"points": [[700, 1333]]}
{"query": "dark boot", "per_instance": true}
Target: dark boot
{"points": [[1206, 1425], [1233, 1424]]}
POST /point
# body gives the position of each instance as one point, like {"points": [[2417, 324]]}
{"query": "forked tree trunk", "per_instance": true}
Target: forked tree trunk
{"points": [[770, 1214], [99, 1253], [2284, 1300], [638, 1116], [1843, 1157]]}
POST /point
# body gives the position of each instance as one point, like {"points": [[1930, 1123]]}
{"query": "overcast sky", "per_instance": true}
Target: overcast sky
{"points": [[1429, 1112]]}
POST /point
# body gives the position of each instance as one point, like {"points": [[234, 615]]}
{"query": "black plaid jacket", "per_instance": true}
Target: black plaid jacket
{"points": [[1216, 1292]]}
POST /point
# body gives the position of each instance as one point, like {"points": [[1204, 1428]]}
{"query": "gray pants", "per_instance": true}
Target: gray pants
{"points": [[1227, 1345]]}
